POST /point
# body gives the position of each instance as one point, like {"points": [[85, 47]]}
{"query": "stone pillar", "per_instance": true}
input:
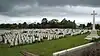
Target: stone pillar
{"points": [[94, 19], [93, 32], [93, 22]]}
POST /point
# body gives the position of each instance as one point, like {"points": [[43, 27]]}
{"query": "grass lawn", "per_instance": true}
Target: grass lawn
{"points": [[45, 48], [98, 33]]}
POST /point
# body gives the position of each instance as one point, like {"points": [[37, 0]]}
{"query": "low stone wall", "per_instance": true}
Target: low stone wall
{"points": [[76, 51]]}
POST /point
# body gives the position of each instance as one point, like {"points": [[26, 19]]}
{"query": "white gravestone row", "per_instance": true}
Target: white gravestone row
{"points": [[19, 37], [77, 32]]}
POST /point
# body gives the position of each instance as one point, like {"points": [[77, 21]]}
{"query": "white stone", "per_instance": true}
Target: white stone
{"points": [[93, 32], [1, 38], [16, 41], [92, 35]]}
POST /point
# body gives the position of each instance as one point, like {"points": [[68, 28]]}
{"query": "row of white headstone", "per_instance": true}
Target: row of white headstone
{"points": [[18, 37]]}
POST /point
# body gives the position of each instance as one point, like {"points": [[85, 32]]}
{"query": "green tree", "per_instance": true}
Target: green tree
{"points": [[89, 25], [82, 26], [31, 26], [53, 23], [74, 24], [14, 26], [97, 26], [63, 23], [44, 21], [20, 26], [25, 25]]}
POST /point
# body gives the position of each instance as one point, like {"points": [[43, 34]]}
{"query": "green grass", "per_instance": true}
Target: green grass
{"points": [[45, 48], [98, 32]]}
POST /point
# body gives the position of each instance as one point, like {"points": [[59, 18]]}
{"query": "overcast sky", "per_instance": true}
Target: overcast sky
{"points": [[15, 11]]}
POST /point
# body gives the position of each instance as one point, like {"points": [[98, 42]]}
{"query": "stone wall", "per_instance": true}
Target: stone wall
{"points": [[76, 51]]}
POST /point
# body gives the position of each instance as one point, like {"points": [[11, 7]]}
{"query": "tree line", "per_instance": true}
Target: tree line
{"points": [[45, 23], [89, 26]]}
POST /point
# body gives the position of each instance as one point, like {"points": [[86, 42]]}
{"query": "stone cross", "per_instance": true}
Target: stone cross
{"points": [[94, 13]]}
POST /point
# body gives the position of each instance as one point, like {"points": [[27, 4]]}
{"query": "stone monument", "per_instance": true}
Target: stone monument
{"points": [[93, 31]]}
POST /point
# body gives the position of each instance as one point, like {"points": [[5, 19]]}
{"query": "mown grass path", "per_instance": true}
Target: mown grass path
{"points": [[45, 48]]}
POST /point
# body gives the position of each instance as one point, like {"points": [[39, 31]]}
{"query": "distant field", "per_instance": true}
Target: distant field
{"points": [[45, 48]]}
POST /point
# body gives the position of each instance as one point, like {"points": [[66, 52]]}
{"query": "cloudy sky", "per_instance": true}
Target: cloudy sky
{"points": [[15, 11]]}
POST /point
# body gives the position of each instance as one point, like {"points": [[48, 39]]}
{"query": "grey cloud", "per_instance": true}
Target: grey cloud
{"points": [[6, 5], [42, 7], [69, 2]]}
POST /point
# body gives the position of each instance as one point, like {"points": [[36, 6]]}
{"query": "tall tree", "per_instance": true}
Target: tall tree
{"points": [[31, 26], [89, 25], [25, 25], [74, 24], [20, 26], [82, 26], [64, 21], [53, 23], [44, 21], [97, 26]]}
